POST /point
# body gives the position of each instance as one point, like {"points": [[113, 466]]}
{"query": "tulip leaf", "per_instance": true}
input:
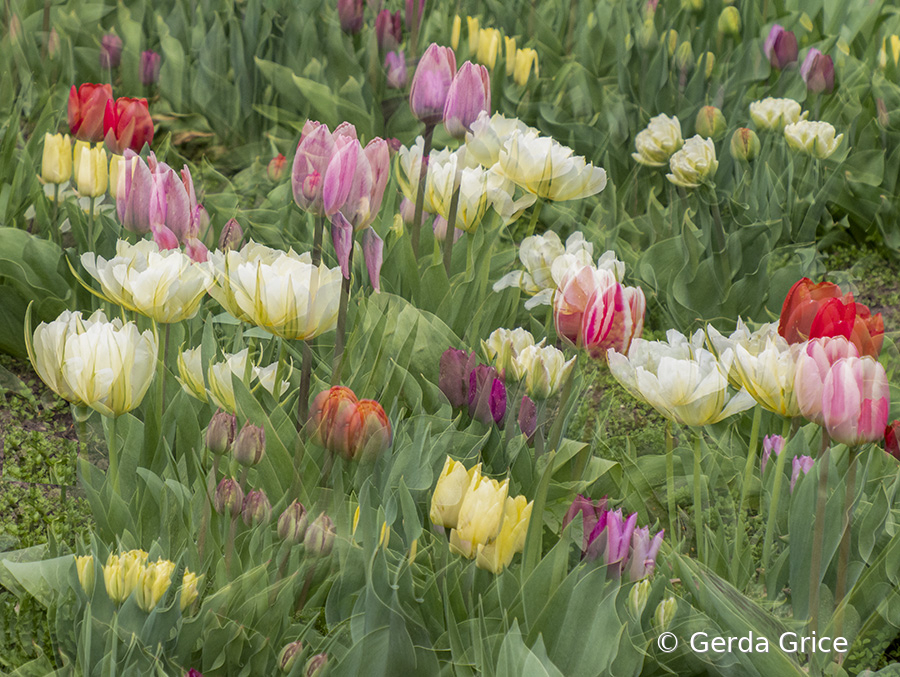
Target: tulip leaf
{"points": [[516, 659]]}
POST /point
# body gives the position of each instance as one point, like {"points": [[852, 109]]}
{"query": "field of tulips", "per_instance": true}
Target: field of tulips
{"points": [[427, 338]]}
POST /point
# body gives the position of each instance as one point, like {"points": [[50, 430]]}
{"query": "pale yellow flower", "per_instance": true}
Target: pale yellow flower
{"points": [[497, 555], [56, 162], [91, 174], [656, 144], [813, 138]]}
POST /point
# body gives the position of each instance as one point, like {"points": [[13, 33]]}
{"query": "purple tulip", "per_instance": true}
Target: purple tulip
{"points": [[772, 444], [780, 47], [350, 13], [817, 72], [408, 19], [469, 96], [453, 380], [150, 63], [591, 514], [487, 395], [314, 152], [388, 30], [431, 84], [133, 194], [395, 66], [804, 463], [379, 155], [231, 236], [643, 553], [340, 173], [342, 238], [178, 211], [373, 251], [110, 51]]}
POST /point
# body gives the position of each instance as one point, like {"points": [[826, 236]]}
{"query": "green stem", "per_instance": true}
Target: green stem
{"points": [[113, 470], [745, 483], [339, 339], [91, 225], [229, 546], [844, 554], [54, 218], [317, 239], [305, 374], [536, 212], [449, 236], [420, 193], [815, 568], [162, 375], [207, 507], [698, 499], [279, 370], [773, 506], [670, 478]]}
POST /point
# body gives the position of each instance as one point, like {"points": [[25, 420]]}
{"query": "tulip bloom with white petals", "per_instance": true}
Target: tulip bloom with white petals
{"points": [[656, 144], [813, 364], [694, 164], [221, 389], [489, 133], [856, 401], [613, 317], [538, 253], [545, 369], [166, 286], [774, 114], [813, 138], [503, 348], [768, 374]]}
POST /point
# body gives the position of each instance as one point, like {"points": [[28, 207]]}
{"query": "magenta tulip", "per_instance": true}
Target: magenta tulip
{"points": [[314, 153], [817, 71], [813, 365], [388, 30], [431, 84], [772, 444], [527, 417], [591, 514], [856, 400], [487, 395], [468, 97], [395, 67], [800, 464], [133, 194], [340, 173], [780, 47], [453, 379]]}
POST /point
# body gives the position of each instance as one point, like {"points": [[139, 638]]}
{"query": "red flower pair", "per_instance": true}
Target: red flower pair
{"points": [[122, 123]]}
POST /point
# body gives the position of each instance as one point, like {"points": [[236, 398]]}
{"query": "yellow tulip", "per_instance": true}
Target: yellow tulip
{"points": [[498, 554], [474, 34], [85, 568], [488, 46], [56, 163], [448, 495], [525, 58], [189, 589], [91, 172], [480, 514], [154, 580], [511, 54], [122, 573], [454, 35]]}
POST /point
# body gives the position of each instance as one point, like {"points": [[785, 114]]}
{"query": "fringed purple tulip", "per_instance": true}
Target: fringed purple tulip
{"points": [[373, 251], [133, 194], [772, 444], [314, 153], [395, 67], [388, 30], [431, 84], [342, 238], [487, 395], [453, 381], [800, 463], [340, 174], [468, 97], [780, 47], [150, 63], [350, 13], [527, 417], [110, 51], [817, 72]]}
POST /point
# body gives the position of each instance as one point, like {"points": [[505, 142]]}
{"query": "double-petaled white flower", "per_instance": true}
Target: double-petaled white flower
{"points": [[813, 138], [774, 114], [538, 254], [503, 348], [488, 135], [656, 144], [694, 164], [545, 369]]}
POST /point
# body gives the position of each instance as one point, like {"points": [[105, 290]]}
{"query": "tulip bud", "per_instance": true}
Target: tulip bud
{"points": [[665, 613], [646, 34], [250, 445], [289, 655], [891, 445], [407, 210], [487, 395], [527, 416], [453, 381], [455, 31], [110, 51], [670, 40], [817, 72], [469, 95], [91, 172], [730, 21], [709, 60], [56, 162], [693, 5], [326, 409], [350, 13], [780, 47], [256, 508], [360, 430], [411, 8], [772, 444], [292, 523], [710, 123], [684, 56], [221, 432], [85, 568], [193, 673], [316, 666], [189, 589], [53, 44], [229, 498], [800, 464], [637, 598], [150, 63], [277, 168], [745, 144], [431, 84], [231, 236], [320, 536], [388, 30], [395, 67], [488, 47]]}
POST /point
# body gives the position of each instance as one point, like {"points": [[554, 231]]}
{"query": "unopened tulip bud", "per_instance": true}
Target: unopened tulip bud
{"points": [[527, 416], [53, 44], [469, 95], [407, 210], [56, 163], [91, 172], [289, 655], [221, 433], [361, 430], [277, 168], [150, 63], [250, 445], [817, 72], [730, 21], [320, 536], [707, 61], [326, 409], [395, 68], [453, 379], [665, 613], [772, 444], [487, 395], [646, 34], [431, 84], [85, 568], [637, 598], [153, 583], [256, 508], [316, 666], [231, 236], [190, 589], [745, 144], [292, 524], [800, 464], [693, 5], [350, 13], [670, 40], [110, 51], [891, 444], [710, 123], [780, 47], [229, 498], [388, 30], [684, 56]]}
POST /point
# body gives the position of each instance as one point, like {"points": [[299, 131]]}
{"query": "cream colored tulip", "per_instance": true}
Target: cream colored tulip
{"points": [[501, 196], [489, 133], [451, 487], [656, 144], [480, 515], [91, 174], [409, 168], [768, 374], [813, 138], [218, 375], [56, 162], [503, 348], [545, 369], [154, 580], [47, 351], [774, 114], [166, 286], [85, 568], [539, 254], [190, 373], [694, 164], [498, 554], [281, 292]]}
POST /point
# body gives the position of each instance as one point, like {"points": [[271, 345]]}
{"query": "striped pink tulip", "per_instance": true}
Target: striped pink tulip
{"points": [[856, 400], [813, 365]]}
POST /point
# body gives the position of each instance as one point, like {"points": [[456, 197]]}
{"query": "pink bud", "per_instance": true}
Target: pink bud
{"points": [[527, 417], [110, 51], [772, 444], [373, 251], [256, 508], [229, 498], [342, 238], [800, 464], [469, 95], [378, 154], [431, 84], [277, 168], [487, 395], [314, 152], [780, 47], [231, 236], [350, 13], [388, 30], [339, 174], [817, 71], [395, 67]]}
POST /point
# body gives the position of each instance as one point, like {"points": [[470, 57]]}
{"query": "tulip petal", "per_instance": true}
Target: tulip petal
{"points": [[342, 237], [373, 251]]}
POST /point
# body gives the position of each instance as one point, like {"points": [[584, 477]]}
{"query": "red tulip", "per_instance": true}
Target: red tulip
{"points": [[891, 445], [127, 124], [87, 106]]}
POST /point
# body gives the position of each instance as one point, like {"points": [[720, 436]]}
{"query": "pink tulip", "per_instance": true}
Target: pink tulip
{"points": [[576, 288], [642, 559], [614, 315], [591, 513], [379, 155], [133, 194], [780, 47], [388, 30], [314, 152], [196, 250], [373, 251], [813, 365], [340, 173], [817, 71], [431, 84], [800, 464], [772, 444], [395, 66], [856, 400], [468, 97], [342, 238]]}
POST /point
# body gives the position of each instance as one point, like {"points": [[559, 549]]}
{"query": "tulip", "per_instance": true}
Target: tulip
{"points": [[856, 400], [449, 492], [545, 370], [163, 285], [637, 598], [487, 395], [388, 30], [772, 444], [453, 379], [817, 72], [488, 47], [289, 655], [350, 13], [256, 508], [780, 47], [56, 162], [431, 84], [798, 464], [684, 57], [189, 589], [326, 410], [193, 673], [149, 67], [647, 36], [221, 432], [133, 192], [292, 524], [250, 445], [510, 44], [813, 364], [320, 536], [891, 445], [408, 18], [813, 138], [341, 174], [694, 164], [395, 67], [314, 153], [316, 665], [480, 515], [730, 21], [745, 144], [276, 168], [155, 579], [445, 176], [363, 430], [121, 574], [894, 51], [527, 416], [87, 105], [489, 134], [84, 566], [525, 59], [613, 317], [127, 124], [503, 348], [110, 51], [281, 292], [710, 122], [497, 555], [670, 40], [538, 253], [229, 498], [819, 310], [91, 172], [219, 374], [665, 613], [576, 286], [656, 144], [591, 514], [231, 236], [775, 114], [468, 96]]}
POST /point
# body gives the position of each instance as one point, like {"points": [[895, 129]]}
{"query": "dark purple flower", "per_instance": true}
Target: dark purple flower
{"points": [[150, 62], [388, 30], [487, 395], [454, 375], [350, 13], [527, 416], [817, 71], [110, 51], [780, 47]]}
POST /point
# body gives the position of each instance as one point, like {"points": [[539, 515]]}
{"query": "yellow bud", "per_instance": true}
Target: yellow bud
{"points": [[85, 568], [474, 34], [488, 46], [153, 583], [730, 21], [710, 61], [510, 55], [670, 40], [91, 174], [684, 56], [56, 164], [189, 589], [454, 34], [524, 60]]}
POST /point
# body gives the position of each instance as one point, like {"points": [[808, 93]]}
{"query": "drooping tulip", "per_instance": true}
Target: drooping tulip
{"points": [[87, 106], [780, 47], [431, 84], [856, 400], [127, 124], [469, 95]]}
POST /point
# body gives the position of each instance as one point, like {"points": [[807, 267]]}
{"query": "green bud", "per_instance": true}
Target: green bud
{"points": [[710, 123], [692, 5], [316, 666], [744, 144], [730, 22], [250, 445], [684, 56], [637, 598], [256, 508], [665, 613], [229, 497], [320, 536], [289, 655], [670, 40], [220, 433], [709, 59], [292, 523], [646, 34]]}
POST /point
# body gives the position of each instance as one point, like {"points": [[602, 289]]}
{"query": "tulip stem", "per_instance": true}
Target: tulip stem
{"points": [[698, 499], [450, 235], [844, 553], [773, 505], [745, 483], [113, 470], [162, 375], [305, 374], [815, 573], [420, 192], [54, 227], [229, 546], [317, 239], [338, 361], [91, 225], [279, 370], [670, 477], [535, 213]]}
